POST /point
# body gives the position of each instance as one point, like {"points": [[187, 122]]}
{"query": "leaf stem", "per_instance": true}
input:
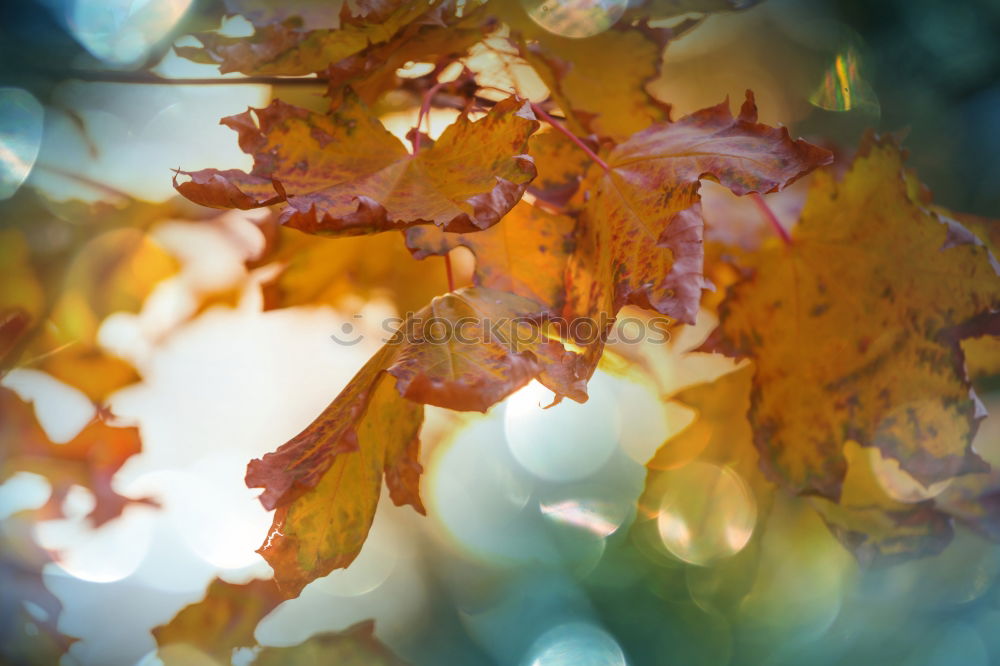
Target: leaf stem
{"points": [[556, 125], [425, 107], [447, 268], [771, 218]]}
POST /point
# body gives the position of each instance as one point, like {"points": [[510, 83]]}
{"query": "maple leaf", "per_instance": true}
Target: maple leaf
{"points": [[560, 164], [854, 331], [343, 173], [640, 237], [879, 529], [354, 646], [373, 71], [290, 42], [467, 350], [599, 81], [224, 620], [90, 459], [315, 270], [524, 254]]}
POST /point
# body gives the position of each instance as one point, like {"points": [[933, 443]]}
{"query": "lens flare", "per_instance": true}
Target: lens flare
{"points": [[575, 18], [843, 88], [21, 119], [565, 442], [707, 513], [575, 644], [123, 32]]}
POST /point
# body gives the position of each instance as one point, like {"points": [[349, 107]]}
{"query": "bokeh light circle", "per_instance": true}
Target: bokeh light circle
{"points": [[21, 120], [122, 32], [565, 442], [707, 513], [575, 644], [575, 18]]}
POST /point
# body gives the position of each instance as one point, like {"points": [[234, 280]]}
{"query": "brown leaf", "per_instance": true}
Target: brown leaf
{"points": [[879, 529], [90, 459], [561, 165], [467, 350], [372, 72], [324, 271], [354, 646], [344, 174], [224, 620], [524, 254], [854, 331], [599, 81], [640, 238], [294, 47]]}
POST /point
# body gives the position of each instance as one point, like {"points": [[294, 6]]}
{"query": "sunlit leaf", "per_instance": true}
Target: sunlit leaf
{"points": [[524, 254], [854, 330], [344, 174], [640, 239], [90, 459], [323, 271], [289, 47], [354, 646], [467, 350], [223, 620]]}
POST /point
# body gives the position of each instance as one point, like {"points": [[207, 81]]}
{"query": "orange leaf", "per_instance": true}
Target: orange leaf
{"points": [[224, 620], [90, 459], [854, 330], [640, 239], [467, 350], [354, 646], [524, 254], [344, 174], [297, 41]]}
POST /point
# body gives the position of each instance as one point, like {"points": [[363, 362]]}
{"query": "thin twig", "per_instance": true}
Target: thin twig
{"points": [[771, 218], [425, 107], [109, 190], [556, 125], [149, 78]]}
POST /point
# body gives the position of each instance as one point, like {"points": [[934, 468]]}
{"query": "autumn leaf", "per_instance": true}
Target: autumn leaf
{"points": [[524, 254], [90, 459], [224, 620], [560, 164], [640, 237], [321, 271], [853, 329], [467, 350], [981, 352], [27, 638], [372, 72], [113, 272], [599, 81], [354, 646], [344, 174], [292, 43], [879, 529]]}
